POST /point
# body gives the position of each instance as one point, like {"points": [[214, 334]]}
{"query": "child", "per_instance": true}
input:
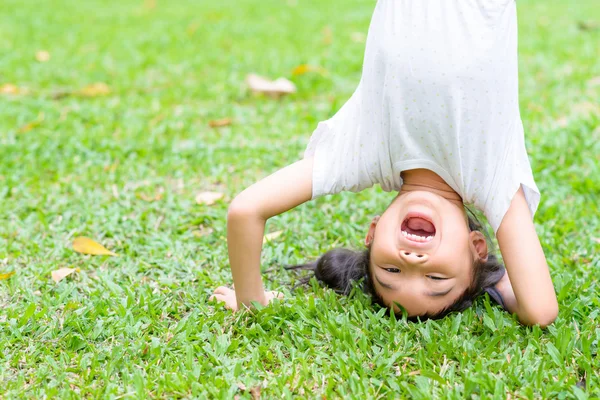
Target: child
{"points": [[436, 117]]}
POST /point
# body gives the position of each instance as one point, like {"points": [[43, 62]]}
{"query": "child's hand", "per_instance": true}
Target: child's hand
{"points": [[227, 296]]}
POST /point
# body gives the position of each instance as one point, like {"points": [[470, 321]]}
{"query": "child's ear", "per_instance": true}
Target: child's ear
{"points": [[479, 245], [371, 233]]}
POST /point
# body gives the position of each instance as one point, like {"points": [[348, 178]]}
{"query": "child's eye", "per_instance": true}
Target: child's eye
{"points": [[436, 278], [393, 270]]}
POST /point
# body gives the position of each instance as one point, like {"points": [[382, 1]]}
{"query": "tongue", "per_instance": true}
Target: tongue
{"points": [[419, 224]]}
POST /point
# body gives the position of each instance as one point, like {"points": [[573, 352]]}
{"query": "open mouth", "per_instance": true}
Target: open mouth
{"points": [[418, 229]]}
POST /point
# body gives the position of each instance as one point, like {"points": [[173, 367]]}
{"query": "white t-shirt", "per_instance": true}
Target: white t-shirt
{"points": [[439, 90]]}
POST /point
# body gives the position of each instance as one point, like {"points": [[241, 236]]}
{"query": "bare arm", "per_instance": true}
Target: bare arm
{"points": [[246, 218], [529, 292]]}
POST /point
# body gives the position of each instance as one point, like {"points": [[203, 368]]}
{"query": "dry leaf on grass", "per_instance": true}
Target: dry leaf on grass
{"points": [[217, 123], [588, 25], [306, 68], [42, 56], [151, 198], [62, 273], [327, 35], [208, 198], [277, 88], [597, 240], [94, 90], [85, 245], [270, 236], [149, 4], [255, 393], [29, 126], [9, 88], [6, 275]]}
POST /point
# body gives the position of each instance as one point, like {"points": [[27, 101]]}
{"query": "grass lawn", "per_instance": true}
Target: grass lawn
{"points": [[122, 162]]}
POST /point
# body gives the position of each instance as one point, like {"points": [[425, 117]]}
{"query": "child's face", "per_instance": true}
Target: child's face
{"points": [[422, 253]]}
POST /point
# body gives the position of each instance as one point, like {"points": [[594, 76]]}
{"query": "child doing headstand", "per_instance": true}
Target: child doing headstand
{"points": [[436, 118]]}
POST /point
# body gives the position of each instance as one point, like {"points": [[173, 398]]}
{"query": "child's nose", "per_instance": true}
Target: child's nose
{"points": [[413, 258]]}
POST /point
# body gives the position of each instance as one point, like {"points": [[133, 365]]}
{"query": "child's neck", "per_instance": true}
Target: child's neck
{"points": [[426, 180]]}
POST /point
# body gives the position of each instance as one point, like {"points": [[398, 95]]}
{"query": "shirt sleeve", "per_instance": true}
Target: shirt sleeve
{"points": [[514, 172], [346, 155]]}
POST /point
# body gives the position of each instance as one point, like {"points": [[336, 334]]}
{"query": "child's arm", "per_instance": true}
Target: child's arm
{"points": [[534, 299], [246, 218]]}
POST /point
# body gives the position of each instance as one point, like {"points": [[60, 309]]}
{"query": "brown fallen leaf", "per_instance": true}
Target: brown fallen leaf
{"points": [[413, 373], [29, 126], [86, 245], [277, 88], [6, 275], [42, 56], [9, 88], [255, 393], [306, 68], [217, 123], [597, 240], [208, 198], [151, 198], [588, 25], [59, 94], [270, 236], [94, 90], [149, 4], [62, 273], [327, 35]]}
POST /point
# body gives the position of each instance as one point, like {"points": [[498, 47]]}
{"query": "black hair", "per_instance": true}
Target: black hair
{"points": [[340, 269]]}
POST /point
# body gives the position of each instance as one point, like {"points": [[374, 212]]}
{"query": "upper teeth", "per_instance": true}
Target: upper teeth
{"points": [[417, 238]]}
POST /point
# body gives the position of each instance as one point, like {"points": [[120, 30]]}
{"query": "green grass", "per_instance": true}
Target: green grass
{"points": [[139, 325]]}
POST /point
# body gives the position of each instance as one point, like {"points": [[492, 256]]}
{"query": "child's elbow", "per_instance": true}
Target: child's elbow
{"points": [[238, 209], [543, 317], [241, 209]]}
